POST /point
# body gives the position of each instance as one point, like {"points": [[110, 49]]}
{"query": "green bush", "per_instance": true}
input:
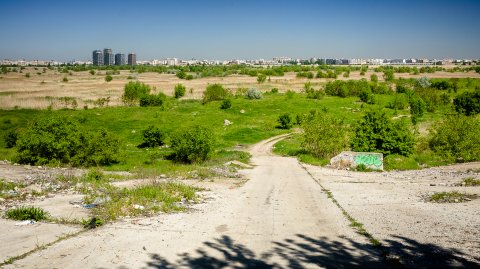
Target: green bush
{"points": [[324, 135], [215, 92], [133, 91], [61, 140], [274, 90], [374, 78], [179, 90], [253, 94], [153, 137], [65, 79], [192, 145], [399, 102], [367, 96], [285, 121], [261, 78], [457, 137], [27, 213], [108, 78], [377, 133], [467, 103], [153, 100], [417, 108], [10, 138], [226, 104]]}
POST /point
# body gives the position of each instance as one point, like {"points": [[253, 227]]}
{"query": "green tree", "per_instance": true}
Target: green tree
{"points": [[215, 92], [417, 108], [377, 133], [467, 103]]}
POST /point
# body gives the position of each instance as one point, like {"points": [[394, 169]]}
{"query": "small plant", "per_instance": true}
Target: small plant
{"points": [[254, 94], [108, 78], [470, 182], [226, 104], [450, 197], [285, 121], [92, 72], [65, 79], [27, 75], [133, 91], [152, 137], [179, 90], [290, 94], [27, 213], [92, 223], [274, 90], [153, 100]]}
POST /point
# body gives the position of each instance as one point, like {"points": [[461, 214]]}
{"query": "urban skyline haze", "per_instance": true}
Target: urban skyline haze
{"points": [[68, 30]]}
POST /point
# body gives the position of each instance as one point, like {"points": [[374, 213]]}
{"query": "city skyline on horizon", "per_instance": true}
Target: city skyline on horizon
{"points": [[226, 30]]}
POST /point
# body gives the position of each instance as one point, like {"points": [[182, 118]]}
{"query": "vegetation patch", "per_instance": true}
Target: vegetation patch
{"points": [[27, 213], [450, 197], [470, 182]]}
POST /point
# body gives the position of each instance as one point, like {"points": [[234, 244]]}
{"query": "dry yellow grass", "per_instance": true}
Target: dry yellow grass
{"points": [[41, 91]]}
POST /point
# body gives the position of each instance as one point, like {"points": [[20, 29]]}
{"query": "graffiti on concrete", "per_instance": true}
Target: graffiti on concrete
{"points": [[368, 160]]}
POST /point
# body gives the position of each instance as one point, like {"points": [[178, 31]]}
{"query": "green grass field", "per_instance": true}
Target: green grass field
{"points": [[253, 121]]}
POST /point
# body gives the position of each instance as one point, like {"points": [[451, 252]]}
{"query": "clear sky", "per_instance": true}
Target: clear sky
{"points": [[240, 29]]}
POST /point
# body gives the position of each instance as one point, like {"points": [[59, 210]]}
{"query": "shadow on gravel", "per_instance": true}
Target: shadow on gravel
{"points": [[306, 252]]}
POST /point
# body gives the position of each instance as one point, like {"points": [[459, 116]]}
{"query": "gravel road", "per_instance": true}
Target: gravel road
{"points": [[279, 219]]}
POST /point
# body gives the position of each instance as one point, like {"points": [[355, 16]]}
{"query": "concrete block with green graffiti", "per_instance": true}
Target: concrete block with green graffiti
{"points": [[350, 159]]}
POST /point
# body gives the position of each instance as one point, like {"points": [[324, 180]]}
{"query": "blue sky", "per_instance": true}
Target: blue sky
{"points": [[240, 29]]}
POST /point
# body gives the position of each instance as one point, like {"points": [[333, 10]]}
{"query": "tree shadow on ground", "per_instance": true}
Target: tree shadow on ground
{"points": [[306, 252]]}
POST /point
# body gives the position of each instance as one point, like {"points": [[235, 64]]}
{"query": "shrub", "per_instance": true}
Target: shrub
{"points": [[431, 98], [152, 137], [377, 133], [274, 90], [108, 78], [367, 97], [285, 121], [417, 108], [423, 82], [374, 78], [10, 138], [192, 145], [215, 92], [290, 94], [181, 75], [60, 140], [312, 93], [324, 136], [253, 94], [457, 137], [226, 104], [153, 100], [179, 90], [261, 78], [467, 103], [65, 79], [27, 75], [92, 72], [133, 91], [388, 75], [400, 101], [27, 213]]}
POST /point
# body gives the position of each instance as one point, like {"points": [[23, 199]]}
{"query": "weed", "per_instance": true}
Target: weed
{"points": [[470, 181], [450, 197], [92, 223], [27, 213]]}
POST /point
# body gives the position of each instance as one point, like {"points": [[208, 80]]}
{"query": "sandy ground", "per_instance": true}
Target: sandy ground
{"points": [[282, 218], [41, 91]]}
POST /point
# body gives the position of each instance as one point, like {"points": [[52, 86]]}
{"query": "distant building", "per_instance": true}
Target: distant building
{"points": [[108, 57], [120, 59], [132, 59], [97, 57]]}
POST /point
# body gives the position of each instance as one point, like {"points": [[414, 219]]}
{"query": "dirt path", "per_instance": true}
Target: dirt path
{"points": [[279, 219]]}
